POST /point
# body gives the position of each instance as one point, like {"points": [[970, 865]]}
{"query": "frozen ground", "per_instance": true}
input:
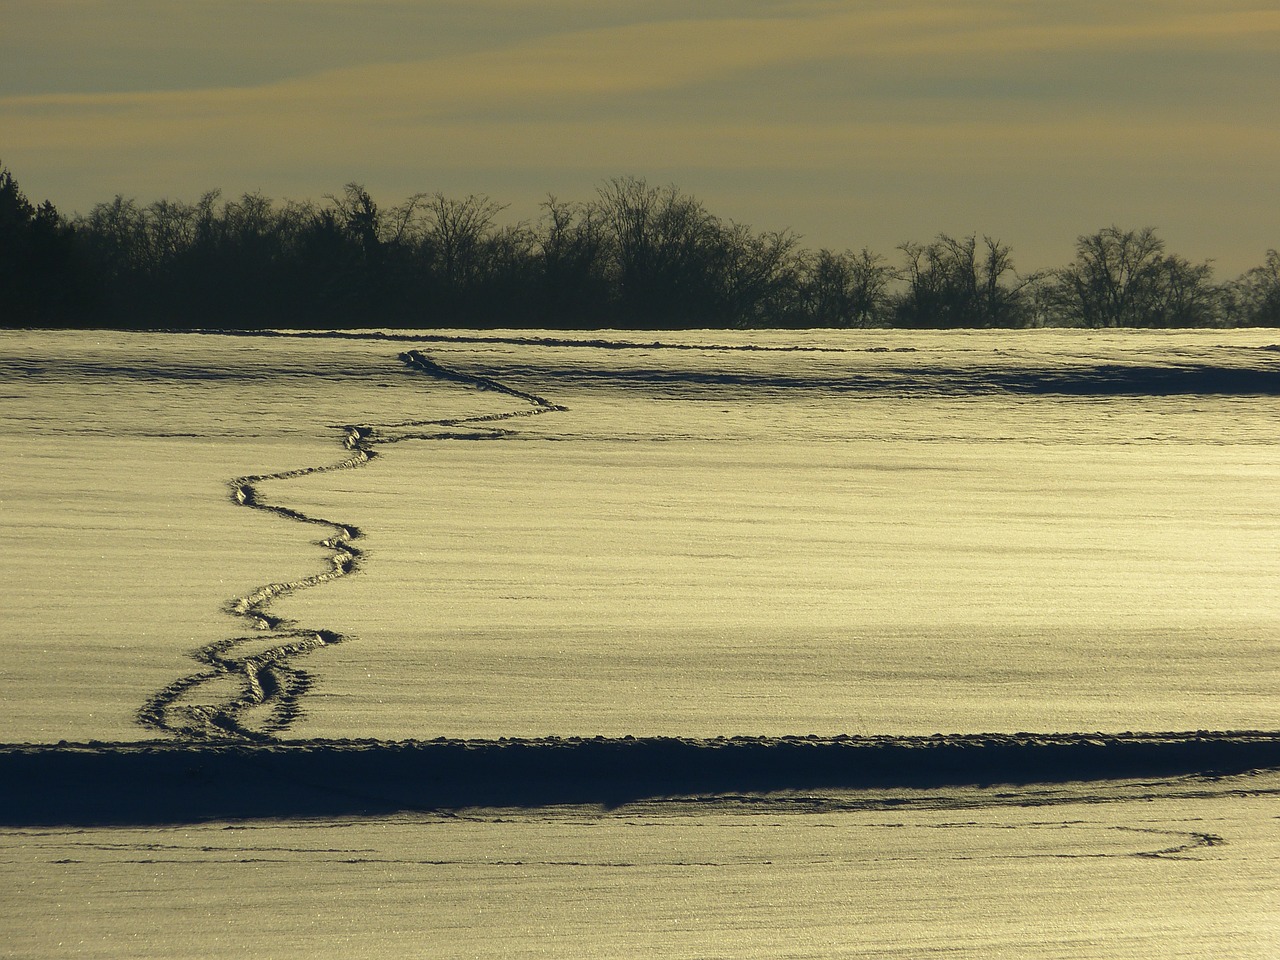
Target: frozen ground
{"points": [[722, 534]]}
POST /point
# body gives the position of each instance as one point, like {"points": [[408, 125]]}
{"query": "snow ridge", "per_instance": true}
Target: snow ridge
{"points": [[266, 684], [168, 781]]}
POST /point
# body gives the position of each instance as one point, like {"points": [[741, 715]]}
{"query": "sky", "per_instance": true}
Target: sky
{"points": [[854, 124]]}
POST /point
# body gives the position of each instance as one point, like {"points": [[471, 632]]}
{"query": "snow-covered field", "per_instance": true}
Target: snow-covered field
{"points": [[721, 534], [965, 874]]}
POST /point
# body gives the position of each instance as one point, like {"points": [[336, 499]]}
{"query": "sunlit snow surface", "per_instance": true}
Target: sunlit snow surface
{"points": [[865, 532], [729, 533]]}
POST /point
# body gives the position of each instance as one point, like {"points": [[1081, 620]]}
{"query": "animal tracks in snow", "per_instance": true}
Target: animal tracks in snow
{"points": [[251, 687]]}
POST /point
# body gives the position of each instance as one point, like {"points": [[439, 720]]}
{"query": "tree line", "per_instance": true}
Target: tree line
{"points": [[633, 256]]}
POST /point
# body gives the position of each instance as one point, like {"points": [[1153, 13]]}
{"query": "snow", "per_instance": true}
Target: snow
{"points": [[727, 533], [1102, 873]]}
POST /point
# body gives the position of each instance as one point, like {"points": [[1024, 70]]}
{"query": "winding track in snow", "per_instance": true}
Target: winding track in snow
{"points": [[265, 682]]}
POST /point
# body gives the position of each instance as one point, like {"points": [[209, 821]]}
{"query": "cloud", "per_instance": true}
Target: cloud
{"points": [[588, 63], [926, 93], [597, 64]]}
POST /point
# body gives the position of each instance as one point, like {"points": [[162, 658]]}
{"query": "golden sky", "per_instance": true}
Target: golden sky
{"points": [[855, 123]]}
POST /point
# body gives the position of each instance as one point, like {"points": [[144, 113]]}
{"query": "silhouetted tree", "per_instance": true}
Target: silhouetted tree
{"points": [[952, 283], [456, 235], [508, 273], [1254, 298], [633, 256], [118, 238], [664, 247], [846, 289], [350, 231], [1123, 278], [359, 217], [759, 277], [570, 251], [247, 260], [1186, 295], [44, 277]]}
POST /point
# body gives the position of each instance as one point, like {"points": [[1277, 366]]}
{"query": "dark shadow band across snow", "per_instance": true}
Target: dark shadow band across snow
{"points": [[175, 782]]}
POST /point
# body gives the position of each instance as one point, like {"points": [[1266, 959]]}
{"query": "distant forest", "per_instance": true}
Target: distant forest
{"points": [[634, 256]]}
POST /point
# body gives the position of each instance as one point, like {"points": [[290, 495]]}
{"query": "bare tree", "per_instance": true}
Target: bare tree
{"points": [[171, 230], [456, 231], [846, 289], [571, 249], [760, 275], [359, 217], [119, 235], [953, 283], [1123, 278], [1255, 297], [664, 246]]}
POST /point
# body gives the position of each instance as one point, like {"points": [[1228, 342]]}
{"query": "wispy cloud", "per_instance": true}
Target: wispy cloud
{"points": [[598, 64]]}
